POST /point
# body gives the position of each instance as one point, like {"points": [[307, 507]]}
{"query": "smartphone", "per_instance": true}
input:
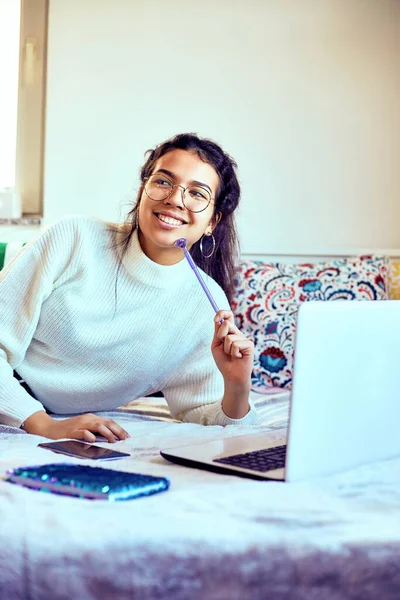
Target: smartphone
{"points": [[82, 450]]}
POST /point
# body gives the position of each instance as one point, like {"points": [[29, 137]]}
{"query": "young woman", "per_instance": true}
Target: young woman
{"points": [[94, 314]]}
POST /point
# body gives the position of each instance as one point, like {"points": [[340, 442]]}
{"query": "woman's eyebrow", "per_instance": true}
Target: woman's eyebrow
{"points": [[170, 174], [201, 184]]}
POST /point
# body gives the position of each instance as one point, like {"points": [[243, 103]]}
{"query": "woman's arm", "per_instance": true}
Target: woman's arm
{"points": [[233, 354], [201, 393], [24, 285]]}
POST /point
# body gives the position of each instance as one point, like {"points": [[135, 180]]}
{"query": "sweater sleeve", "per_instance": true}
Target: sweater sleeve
{"points": [[212, 414], [24, 285]]}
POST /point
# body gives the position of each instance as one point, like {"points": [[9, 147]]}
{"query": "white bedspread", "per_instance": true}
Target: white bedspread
{"points": [[209, 536]]}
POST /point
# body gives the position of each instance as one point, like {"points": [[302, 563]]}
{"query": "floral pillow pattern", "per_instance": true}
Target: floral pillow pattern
{"points": [[267, 299]]}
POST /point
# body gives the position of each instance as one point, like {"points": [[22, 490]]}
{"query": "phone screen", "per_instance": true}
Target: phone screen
{"points": [[82, 450]]}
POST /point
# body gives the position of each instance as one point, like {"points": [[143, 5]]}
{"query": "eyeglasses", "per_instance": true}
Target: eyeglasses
{"points": [[195, 198]]}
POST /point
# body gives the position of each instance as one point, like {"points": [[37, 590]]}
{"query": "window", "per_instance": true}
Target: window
{"points": [[9, 46], [23, 40]]}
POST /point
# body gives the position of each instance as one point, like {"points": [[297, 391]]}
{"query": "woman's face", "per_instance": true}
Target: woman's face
{"points": [[163, 222]]}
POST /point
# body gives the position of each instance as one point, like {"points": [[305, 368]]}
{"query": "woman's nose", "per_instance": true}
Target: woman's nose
{"points": [[176, 198]]}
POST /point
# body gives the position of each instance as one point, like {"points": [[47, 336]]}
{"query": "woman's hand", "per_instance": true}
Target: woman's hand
{"points": [[233, 353], [82, 427]]}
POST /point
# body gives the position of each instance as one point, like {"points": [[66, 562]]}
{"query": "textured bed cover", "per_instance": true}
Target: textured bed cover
{"points": [[209, 536]]}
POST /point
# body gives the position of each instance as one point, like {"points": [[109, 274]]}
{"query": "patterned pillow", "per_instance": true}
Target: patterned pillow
{"points": [[268, 295], [394, 280]]}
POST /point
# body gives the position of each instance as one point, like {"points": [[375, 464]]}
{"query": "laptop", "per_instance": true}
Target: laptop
{"points": [[344, 405]]}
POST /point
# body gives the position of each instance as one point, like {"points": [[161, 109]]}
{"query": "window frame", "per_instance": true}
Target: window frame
{"points": [[31, 106]]}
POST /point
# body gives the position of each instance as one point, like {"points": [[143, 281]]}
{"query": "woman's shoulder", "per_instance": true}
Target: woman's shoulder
{"points": [[75, 228], [81, 222], [72, 235]]}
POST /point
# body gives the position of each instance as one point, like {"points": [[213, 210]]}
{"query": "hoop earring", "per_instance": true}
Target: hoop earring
{"points": [[213, 246]]}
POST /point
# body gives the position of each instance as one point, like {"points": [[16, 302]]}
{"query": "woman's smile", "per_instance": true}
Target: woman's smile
{"points": [[169, 220]]}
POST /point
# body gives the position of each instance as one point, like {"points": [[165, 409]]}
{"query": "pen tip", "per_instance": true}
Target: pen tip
{"points": [[181, 243]]}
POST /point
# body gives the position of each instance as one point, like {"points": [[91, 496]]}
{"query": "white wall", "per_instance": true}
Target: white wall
{"points": [[305, 94]]}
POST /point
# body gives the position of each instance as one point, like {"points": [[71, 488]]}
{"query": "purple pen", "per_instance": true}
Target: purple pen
{"points": [[181, 243]]}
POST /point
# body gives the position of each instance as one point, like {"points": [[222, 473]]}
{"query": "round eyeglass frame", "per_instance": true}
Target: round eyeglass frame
{"points": [[183, 190]]}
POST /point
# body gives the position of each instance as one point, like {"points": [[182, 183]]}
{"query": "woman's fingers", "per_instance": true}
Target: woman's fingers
{"points": [[109, 429], [106, 432], [117, 430], [226, 328], [227, 335], [86, 435], [224, 315], [237, 346], [231, 343], [85, 427]]}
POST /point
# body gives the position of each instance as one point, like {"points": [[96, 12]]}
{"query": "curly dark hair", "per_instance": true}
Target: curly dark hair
{"points": [[220, 266]]}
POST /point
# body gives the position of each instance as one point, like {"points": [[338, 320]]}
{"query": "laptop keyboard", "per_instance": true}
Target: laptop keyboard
{"points": [[259, 460]]}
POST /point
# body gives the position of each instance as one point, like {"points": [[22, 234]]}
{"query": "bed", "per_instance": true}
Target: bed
{"points": [[210, 536]]}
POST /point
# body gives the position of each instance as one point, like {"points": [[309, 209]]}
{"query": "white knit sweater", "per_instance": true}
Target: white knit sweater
{"points": [[84, 344]]}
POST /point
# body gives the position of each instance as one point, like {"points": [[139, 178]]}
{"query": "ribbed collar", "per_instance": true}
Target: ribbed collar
{"points": [[144, 270]]}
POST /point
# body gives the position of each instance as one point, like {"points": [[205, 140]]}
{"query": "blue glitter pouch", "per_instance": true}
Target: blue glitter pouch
{"points": [[93, 483]]}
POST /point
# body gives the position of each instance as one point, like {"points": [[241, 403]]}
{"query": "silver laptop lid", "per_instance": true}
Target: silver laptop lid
{"points": [[345, 408]]}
